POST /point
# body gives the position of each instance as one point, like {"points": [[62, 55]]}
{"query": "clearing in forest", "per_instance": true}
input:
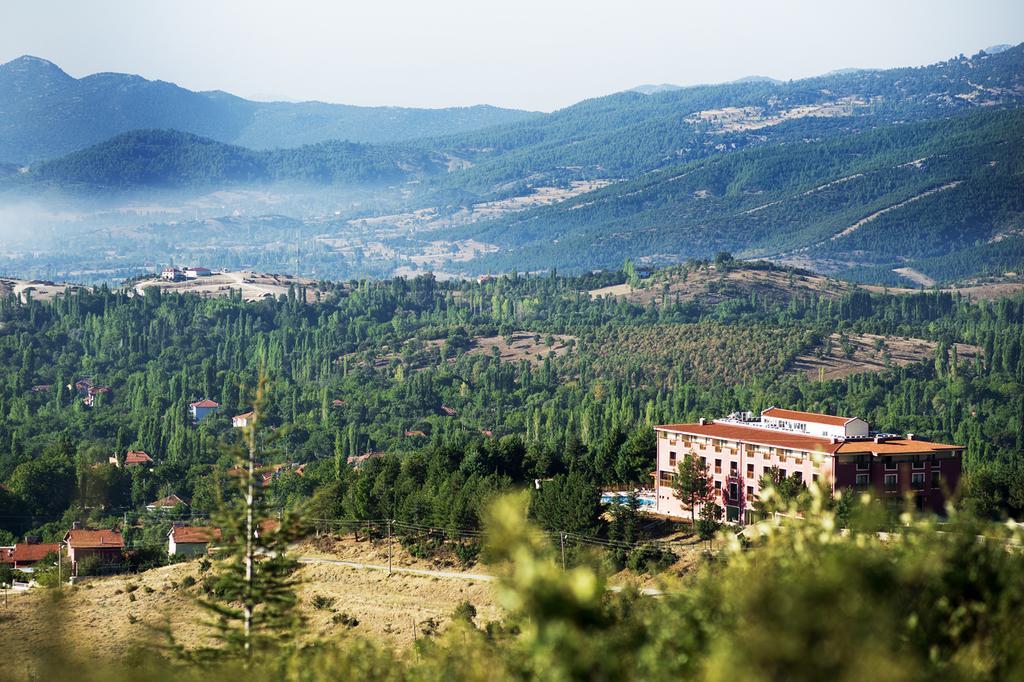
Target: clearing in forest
{"points": [[529, 346], [858, 353]]}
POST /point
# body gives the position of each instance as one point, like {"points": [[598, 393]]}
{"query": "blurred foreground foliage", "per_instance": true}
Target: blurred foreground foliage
{"points": [[791, 599]]}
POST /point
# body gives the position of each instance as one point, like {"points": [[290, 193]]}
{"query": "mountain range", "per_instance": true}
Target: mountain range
{"points": [[859, 172], [44, 112]]}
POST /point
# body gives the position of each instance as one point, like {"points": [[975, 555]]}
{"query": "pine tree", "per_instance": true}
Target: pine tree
{"points": [[252, 590]]}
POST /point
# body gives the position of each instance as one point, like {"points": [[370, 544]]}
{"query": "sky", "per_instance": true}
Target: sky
{"points": [[524, 54]]}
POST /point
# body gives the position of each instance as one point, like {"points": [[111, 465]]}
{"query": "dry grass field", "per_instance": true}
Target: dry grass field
{"points": [[108, 617]]}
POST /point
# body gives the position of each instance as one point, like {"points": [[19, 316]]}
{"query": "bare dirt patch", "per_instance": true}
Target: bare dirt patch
{"points": [[524, 346], [870, 353]]}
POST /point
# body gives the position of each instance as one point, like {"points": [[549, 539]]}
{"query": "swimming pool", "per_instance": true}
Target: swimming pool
{"points": [[621, 498]]}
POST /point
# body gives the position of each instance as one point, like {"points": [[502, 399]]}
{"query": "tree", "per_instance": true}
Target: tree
{"points": [[252, 589], [693, 484], [570, 503], [710, 520]]}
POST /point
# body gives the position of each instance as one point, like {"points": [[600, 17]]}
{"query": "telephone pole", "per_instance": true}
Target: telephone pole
{"points": [[561, 540], [389, 546]]}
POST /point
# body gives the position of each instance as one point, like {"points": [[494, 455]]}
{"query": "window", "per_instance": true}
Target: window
{"points": [[799, 476], [672, 458], [863, 480], [936, 478], [718, 466], [782, 472], [734, 492], [734, 468], [750, 491], [703, 463], [890, 465], [750, 471], [918, 463], [917, 480], [863, 465], [662, 434], [891, 481], [814, 477], [718, 485]]}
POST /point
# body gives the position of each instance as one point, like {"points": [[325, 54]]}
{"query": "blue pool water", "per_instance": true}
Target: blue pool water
{"points": [[621, 498]]}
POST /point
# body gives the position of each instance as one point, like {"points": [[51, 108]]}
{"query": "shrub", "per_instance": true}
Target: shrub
{"points": [[345, 619], [465, 612], [321, 601], [650, 559], [188, 581]]}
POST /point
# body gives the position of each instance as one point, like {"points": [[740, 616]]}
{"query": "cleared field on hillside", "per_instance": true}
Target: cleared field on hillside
{"points": [[525, 346], [870, 353], [254, 286], [711, 286], [38, 290]]}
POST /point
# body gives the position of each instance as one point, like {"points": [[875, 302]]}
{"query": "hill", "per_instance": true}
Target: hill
{"points": [[44, 112], [170, 158], [924, 195]]}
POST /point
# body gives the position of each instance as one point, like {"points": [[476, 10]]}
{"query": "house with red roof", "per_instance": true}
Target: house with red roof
{"points": [[105, 544], [165, 504], [839, 453], [133, 458], [191, 540], [241, 421], [27, 554], [202, 408]]}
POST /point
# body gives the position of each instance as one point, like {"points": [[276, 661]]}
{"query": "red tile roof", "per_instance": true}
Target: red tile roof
{"points": [[205, 403], [94, 539], [26, 553], [813, 417], [194, 534], [167, 502], [750, 434], [137, 457]]}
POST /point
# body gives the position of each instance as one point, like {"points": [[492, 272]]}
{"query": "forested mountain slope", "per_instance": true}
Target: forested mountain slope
{"points": [[173, 159], [44, 112], [629, 133], [893, 193]]}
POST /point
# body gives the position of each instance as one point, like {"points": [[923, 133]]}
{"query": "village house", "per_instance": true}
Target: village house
{"points": [[839, 452], [202, 408], [133, 458], [172, 275], [197, 272], [242, 421], [166, 504], [107, 545], [191, 540], [25, 555]]}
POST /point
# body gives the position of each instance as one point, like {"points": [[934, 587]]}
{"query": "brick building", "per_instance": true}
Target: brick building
{"points": [[839, 452]]}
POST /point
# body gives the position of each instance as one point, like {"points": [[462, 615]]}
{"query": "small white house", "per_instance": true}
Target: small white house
{"points": [[191, 540], [241, 421]]}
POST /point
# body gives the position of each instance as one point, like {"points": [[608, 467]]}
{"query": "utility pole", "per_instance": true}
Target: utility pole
{"points": [[389, 546], [561, 540], [59, 577]]}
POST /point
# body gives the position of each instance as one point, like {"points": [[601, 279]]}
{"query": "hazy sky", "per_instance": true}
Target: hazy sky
{"points": [[526, 53]]}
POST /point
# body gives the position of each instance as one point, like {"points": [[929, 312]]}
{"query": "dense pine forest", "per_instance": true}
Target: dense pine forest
{"points": [[406, 378]]}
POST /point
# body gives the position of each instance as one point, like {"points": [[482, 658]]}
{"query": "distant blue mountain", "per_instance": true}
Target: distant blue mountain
{"points": [[44, 112]]}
